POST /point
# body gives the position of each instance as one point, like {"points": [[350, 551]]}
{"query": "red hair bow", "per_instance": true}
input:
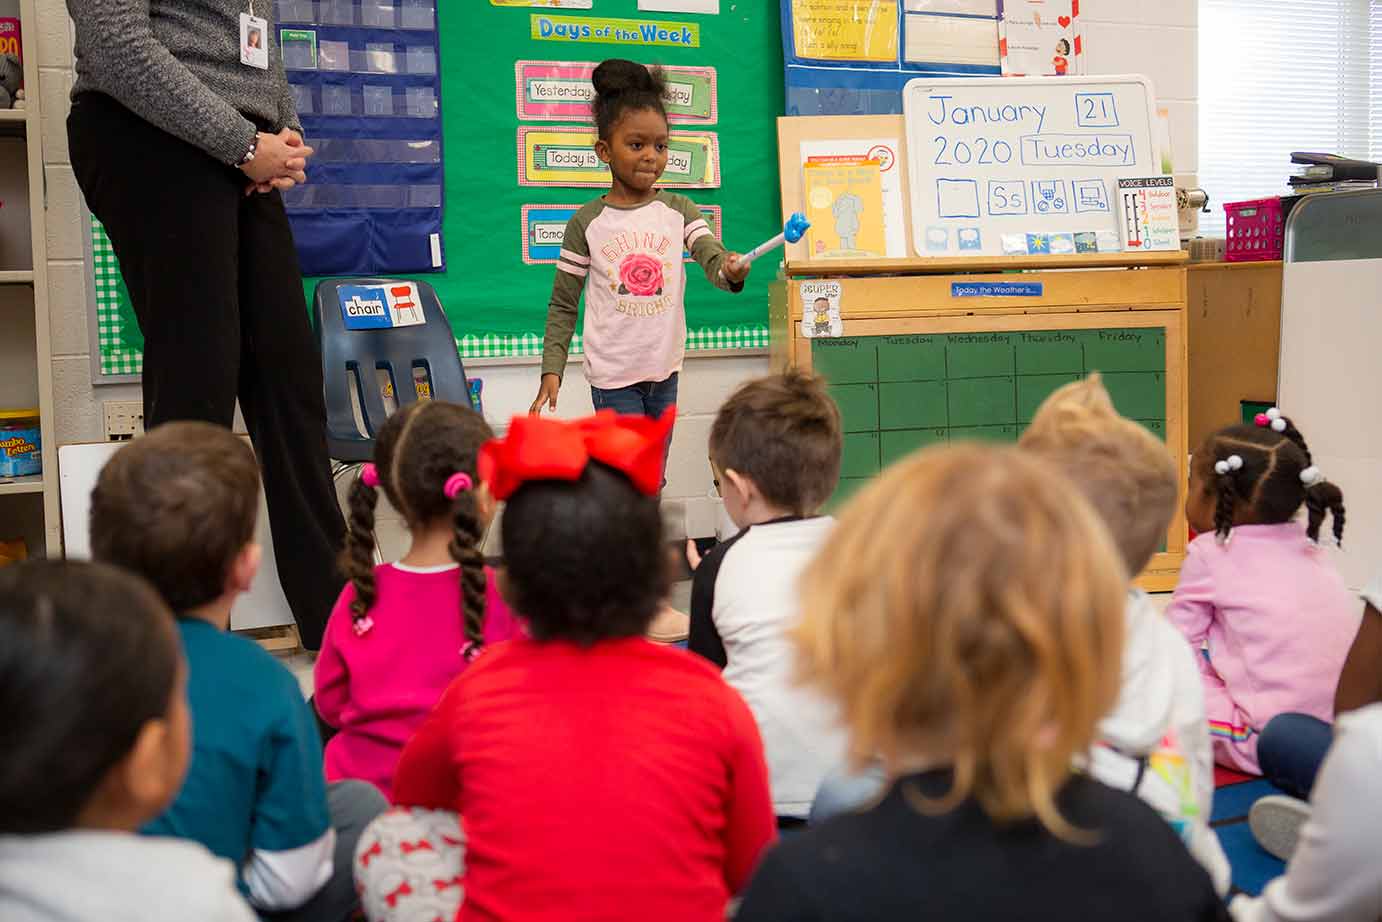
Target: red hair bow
{"points": [[550, 449]]}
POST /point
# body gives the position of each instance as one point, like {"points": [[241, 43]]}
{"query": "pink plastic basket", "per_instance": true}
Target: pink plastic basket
{"points": [[1256, 230]]}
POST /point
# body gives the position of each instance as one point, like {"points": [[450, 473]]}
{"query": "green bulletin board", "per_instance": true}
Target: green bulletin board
{"points": [[900, 393], [497, 304]]}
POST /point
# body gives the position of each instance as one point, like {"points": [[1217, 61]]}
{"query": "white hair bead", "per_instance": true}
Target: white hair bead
{"points": [[1278, 425], [1311, 476], [1274, 413], [1231, 463]]}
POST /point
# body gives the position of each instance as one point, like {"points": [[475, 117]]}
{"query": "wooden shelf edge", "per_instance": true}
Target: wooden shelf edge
{"points": [[18, 485], [14, 115], [16, 276], [1220, 266], [920, 266]]}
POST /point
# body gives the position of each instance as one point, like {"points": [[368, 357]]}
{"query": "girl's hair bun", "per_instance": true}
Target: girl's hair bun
{"points": [[623, 86], [617, 75]]}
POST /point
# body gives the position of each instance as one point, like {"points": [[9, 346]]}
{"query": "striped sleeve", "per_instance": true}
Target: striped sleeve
{"points": [[573, 266], [704, 246]]}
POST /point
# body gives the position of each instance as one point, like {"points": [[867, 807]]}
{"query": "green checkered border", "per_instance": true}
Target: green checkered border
{"points": [[105, 271], [749, 336], [116, 360]]}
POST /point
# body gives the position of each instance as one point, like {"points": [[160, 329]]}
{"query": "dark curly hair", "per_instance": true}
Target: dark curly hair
{"points": [[623, 86], [1269, 480], [585, 559], [416, 451]]}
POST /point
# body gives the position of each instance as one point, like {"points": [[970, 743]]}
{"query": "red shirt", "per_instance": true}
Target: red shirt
{"points": [[621, 781]]}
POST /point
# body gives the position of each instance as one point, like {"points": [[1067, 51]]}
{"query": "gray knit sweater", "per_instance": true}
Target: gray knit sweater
{"points": [[176, 64]]}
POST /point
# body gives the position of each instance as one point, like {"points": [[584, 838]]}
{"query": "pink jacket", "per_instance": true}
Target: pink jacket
{"points": [[1274, 619], [378, 688]]}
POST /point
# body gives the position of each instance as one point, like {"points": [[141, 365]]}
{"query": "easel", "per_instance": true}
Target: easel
{"points": [[913, 296]]}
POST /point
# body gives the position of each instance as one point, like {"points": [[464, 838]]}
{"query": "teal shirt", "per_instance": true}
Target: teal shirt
{"points": [[255, 782]]}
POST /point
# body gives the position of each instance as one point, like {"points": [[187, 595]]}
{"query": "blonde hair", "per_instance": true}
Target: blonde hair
{"points": [[969, 608], [1121, 468]]}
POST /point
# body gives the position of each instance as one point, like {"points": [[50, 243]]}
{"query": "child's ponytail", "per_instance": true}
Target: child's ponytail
{"points": [[465, 550], [357, 560], [1321, 497]]}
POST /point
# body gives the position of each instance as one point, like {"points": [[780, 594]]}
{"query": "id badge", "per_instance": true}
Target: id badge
{"points": [[254, 41]]}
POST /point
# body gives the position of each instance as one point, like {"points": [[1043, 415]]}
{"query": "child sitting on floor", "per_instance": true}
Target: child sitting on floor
{"points": [[775, 449], [179, 506], [93, 714], [1155, 741], [1334, 875], [400, 632], [1293, 746], [1256, 591], [599, 776], [967, 613]]}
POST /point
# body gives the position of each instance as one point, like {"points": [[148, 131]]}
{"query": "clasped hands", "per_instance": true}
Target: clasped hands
{"points": [[280, 162]]}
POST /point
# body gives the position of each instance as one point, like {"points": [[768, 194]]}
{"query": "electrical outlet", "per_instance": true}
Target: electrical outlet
{"points": [[124, 419]]}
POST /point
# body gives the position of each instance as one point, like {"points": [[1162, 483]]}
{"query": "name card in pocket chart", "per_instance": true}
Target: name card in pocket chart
{"points": [[381, 307], [820, 309]]}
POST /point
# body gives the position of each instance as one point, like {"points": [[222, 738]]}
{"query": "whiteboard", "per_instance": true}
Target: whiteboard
{"points": [[80, 465], [993, 160]]}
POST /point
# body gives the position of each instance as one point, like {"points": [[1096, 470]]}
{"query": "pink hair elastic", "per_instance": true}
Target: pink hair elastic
{"points": [[369, 476], [363, 626], [1272, 419], [457, 484]]}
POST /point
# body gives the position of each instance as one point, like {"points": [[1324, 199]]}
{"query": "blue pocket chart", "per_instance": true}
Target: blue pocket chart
{"points": [[365, 79], [937, 37], [1030, 162]]}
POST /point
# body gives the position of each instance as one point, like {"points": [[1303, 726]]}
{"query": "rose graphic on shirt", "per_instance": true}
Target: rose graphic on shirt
{"points": [[640, 275]]}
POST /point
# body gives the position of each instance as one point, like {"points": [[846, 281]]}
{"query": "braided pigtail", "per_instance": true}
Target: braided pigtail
{"points": [[1226, 501], [465, 550], [357, 560], [1321, 497]]}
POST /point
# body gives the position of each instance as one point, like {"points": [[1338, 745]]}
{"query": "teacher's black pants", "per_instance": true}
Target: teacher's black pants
{"points": [[214, 281]]}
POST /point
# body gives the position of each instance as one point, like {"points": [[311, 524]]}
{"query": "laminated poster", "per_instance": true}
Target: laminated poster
{"points": [[549, 4], [1040, 38], [845, 30], [844, 203], [884, 152], [561, 91], [680, 6], [1148, 211], [544, 230], [565, 156]]}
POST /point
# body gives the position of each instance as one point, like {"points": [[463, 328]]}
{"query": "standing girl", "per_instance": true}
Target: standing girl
{"points": [[1256, 593], [625, 250], [400, 632]]}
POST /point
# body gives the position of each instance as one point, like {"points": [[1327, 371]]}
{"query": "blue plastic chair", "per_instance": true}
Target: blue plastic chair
{"points": [[351, 358]]}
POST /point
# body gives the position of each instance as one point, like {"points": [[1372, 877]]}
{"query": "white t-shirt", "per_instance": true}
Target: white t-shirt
{"points": [[750, 587]]}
